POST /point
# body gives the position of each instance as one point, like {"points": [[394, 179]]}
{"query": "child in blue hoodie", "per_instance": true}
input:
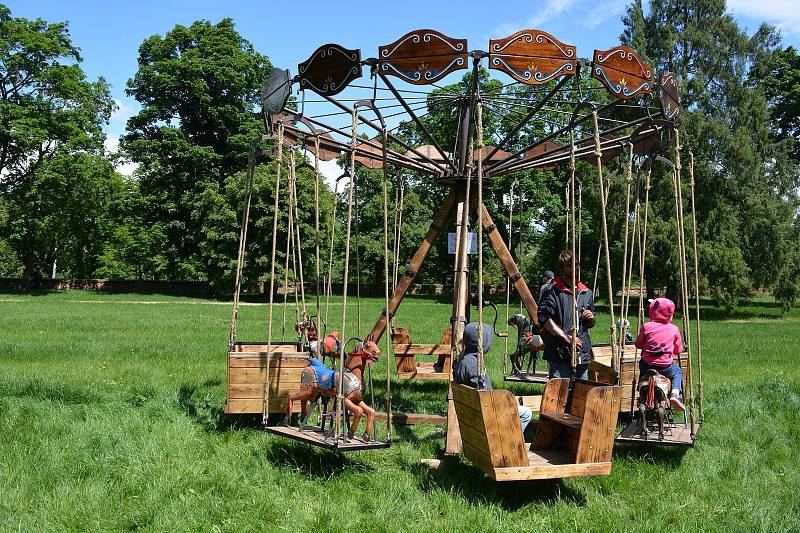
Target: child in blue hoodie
{"points": [[465, 371]]}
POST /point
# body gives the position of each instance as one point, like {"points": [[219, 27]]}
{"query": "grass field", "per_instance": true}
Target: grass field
{"points": [[111, 418]]}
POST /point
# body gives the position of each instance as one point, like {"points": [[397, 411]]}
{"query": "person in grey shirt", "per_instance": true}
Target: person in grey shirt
{"points": [[465, 371]]}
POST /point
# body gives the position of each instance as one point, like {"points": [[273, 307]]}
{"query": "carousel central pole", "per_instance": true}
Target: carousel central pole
{"points": [[461, 280]]}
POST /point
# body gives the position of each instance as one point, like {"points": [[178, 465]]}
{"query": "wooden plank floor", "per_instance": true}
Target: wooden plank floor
{"points": [[539, 376], [316, 437], [550, 457], [676, 435]]}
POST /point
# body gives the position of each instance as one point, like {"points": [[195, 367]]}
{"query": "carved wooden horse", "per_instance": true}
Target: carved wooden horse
{"points": [[527, 343], [318, 380], [653, 395]]}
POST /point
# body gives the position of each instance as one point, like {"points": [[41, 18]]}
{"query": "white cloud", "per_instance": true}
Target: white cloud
{"points": [[783, 13], [123, 111], [330, 170], [126, 168], [602, 12], [551, 10], [111, 144]]}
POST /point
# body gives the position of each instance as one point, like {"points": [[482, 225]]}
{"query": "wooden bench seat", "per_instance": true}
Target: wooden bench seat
{"points": [[406, 352], [571, 421], [574, 436]]}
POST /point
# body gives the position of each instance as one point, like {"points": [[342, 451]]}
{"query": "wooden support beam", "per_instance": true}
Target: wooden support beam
{"points": [[415, 264], [509, 265]]}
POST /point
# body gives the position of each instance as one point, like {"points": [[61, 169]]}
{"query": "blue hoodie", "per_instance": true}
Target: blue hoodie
{"points": [[465, 370]]}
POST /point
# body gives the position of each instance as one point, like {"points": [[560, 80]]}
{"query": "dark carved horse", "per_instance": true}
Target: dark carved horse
{"points": [[311, 389], [527, 344], [653, 397]]}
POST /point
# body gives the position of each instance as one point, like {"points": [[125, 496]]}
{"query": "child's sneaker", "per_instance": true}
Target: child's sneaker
{"points": [[676, 402]]}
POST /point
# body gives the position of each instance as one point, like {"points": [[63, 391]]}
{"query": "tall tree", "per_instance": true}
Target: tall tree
{"points": [[51, 116], [198, 87], [725, 121]]}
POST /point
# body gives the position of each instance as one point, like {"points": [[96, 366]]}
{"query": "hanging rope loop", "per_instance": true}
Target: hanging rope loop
{"points": [[479, 134], [615, 362]]}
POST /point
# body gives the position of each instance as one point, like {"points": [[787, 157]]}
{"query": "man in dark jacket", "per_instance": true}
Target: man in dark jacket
{"points": [[556, 320], [465, 371]]}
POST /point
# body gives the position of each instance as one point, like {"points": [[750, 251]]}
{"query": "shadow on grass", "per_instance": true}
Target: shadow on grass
{"points": [[455, 476], [670, 456], [206, 408], [313, 462]]}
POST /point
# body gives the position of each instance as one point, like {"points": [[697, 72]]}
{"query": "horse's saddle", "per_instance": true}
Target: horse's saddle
{"points": [[328, 380], [653, 388]]}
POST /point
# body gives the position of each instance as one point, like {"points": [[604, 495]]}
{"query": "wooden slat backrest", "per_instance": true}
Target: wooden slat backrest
{"points": [[472, 426], [247, 373], [579, 393], [599, 425], [554, 399], [507, 443], [490, 430]]}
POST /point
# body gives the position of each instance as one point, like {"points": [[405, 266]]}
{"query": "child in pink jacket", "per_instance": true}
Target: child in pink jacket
{"points": [[659, 340]]}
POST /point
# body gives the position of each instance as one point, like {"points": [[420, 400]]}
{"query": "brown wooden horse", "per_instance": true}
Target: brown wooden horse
{"points": [[653, 396], [353, 389]]}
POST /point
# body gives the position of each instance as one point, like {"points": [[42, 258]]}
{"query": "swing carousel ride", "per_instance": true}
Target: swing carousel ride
{"points": [[556, 109]]}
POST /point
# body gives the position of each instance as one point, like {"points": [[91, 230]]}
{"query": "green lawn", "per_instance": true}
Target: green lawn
{"points": [[111, 418]]}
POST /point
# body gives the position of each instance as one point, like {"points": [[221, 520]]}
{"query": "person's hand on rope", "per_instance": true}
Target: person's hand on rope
{"points": [[578, 342]]}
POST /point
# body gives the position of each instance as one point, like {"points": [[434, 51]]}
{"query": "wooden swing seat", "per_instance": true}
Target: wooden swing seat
{"points": [[247, 373], [405, 357], [572, 443], [314, 436]]}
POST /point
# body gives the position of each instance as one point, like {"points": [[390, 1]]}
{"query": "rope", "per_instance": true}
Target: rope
{"points": [[481, 365], [345, 275], [272, 270], [599, 153], [299, 248], [696, 294], [329, 289], [623, 315], [294, 242], [508, 280], [242, 241], [600, 244], [461, 265], [389, 356], [289, 239], [574, 281], [580, 225], [642, 257], [320, 334], [567, 206], [688, 387], [398, 234]]}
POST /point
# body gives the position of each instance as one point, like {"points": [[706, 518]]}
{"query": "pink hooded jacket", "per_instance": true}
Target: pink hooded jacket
{"points": [[660, 339]]}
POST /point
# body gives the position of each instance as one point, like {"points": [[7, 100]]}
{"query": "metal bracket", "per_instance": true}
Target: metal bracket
{"points": [[515, 278], [490, 228], [411, 272], [388, 314], [461, 318]]}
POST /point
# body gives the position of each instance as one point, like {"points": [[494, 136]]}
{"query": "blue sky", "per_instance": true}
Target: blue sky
{"points": [[109, 33]]}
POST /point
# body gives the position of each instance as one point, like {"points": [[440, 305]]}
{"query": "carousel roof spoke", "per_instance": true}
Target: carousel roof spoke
{"points": [[494, 168]]}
